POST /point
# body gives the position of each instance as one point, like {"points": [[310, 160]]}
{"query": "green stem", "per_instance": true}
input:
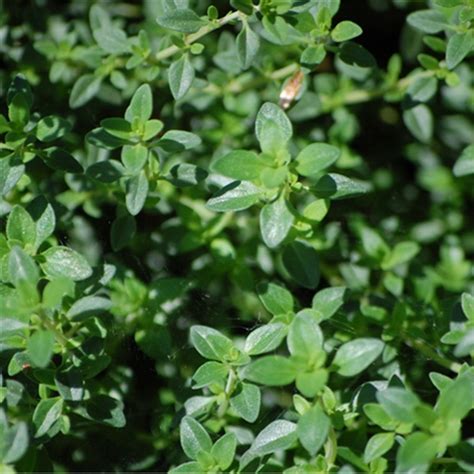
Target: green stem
{"points": [[172, 50], [51, 327], [429, 352], [444, 461], [361, 95], [221, 224], [229, 389], [330, 448], [357, 96], [238, 86]]}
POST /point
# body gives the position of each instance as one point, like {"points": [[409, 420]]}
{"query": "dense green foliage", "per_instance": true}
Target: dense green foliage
{"points": [[237, 237]]}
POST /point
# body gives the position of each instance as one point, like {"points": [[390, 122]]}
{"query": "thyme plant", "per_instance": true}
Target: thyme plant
{"points": [[237, 236]]}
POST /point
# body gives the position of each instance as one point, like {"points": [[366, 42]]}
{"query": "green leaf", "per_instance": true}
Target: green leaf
{"points": [[328, 301], [313, 55], [136, 193], [65, 262], [313, 429], [70, 384], [247, 402], [266, 338], [312, 382], [103, 409], [9, 175], [248, 44], [180, 76], [59, 159], [467, 303], [244, 6], [275, 298], [134, 157], [428, 62], [186, 174], [21, 228], [274, 371], [373, 244], [398, 403], [19, 109], [439, 380], [423, 89], [272, 127], [223, 450], [236, 196], [378, 445], [45, 219], [101, 139], [302, 264], [317, 210], [210, 343], [183, 20], [17, 362], [305, 338], [457, 399], [46, 416], [379, 416], [117, 127], [51, 128], [194, 438], [345, 30], [187, 468], [355, 356], [337, 186], [276, 220], [403, 252], [278, 31], [448, 3], [315, 158], [459, 46], [465, 164], [84, 89], [122, 232], [465, 345], [99, 18], [152, 128], [88, 306], [416, 453], [22, 267], [428, 21], [20, 85], [178, 140], [15, 443], [208, 373], [278, 435], [112, 40], [40, 348], [56, 290], [141, 105], [348, 454], [106, 171], [239, 164], [419, 121]]}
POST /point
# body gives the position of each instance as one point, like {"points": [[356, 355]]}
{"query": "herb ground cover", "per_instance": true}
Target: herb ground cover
{"points": [[237, 236]]}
